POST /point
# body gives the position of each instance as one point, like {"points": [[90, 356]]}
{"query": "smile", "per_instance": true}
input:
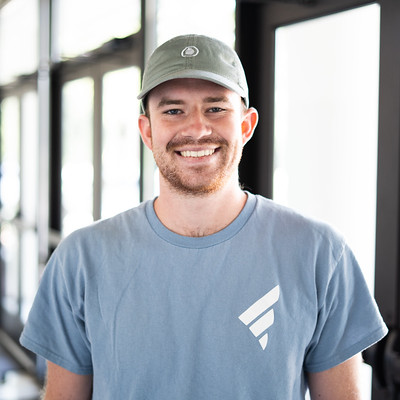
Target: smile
{"points": [[195, 154]]}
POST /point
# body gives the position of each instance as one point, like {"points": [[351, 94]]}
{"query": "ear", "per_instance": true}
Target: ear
{"points": [[249, 123], [145, 130]]}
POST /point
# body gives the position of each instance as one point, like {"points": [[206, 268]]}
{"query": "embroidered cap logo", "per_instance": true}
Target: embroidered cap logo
{"points": [[190, 51]]}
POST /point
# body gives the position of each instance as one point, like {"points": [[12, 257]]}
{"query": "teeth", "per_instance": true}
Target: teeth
{"points": [[200, 153]]}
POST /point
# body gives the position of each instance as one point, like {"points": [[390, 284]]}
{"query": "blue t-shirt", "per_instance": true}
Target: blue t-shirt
{"points": [[240, 314]]}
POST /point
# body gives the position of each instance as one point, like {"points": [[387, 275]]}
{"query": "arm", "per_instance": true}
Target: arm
{"points": [[338, 383], [65, 385]]}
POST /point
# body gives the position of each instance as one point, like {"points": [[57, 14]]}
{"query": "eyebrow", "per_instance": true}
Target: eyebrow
{"points": [[165, 101], [219, 99]]}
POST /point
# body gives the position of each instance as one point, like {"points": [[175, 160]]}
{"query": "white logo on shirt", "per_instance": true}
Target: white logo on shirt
{"points": [[257, 325]]}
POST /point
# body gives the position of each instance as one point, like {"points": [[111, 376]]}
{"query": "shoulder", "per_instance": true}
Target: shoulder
{"points": [[88, 248], [129, 222], [290, 226]]}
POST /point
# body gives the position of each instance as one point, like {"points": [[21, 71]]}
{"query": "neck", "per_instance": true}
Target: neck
{"points": [[196, 216]]}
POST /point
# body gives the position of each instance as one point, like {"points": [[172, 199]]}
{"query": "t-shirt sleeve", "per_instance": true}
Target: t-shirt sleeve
{"points": [[56, 325], [348, 318]]}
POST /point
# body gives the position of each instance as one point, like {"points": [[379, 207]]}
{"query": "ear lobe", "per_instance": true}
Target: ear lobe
{"points": [[145, 130], [249, 123]]}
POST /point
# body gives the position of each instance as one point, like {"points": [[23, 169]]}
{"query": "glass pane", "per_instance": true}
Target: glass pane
{"points": [[29, 195], [29, 271], [206, 17], [10, 158], [29, 157], [86, 25], [10, 251], [19, 39], [77, 154], [121, 142], [326, 124]]}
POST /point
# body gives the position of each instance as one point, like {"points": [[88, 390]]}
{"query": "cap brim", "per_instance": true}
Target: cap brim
{"points": [[196, 74]]}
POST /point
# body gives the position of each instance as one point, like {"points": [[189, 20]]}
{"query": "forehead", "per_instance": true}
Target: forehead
{"points": [[191, 88]]}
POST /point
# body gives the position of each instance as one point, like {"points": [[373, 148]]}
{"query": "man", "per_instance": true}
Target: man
{"points": [[207, 292]]}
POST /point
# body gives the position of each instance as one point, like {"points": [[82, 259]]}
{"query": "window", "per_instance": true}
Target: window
{"points": [[19, 182], [61, 123], [19, 38], [10, 157], [121, 142], [326, 123], [77, 154], [206, 17], [86, 25]]}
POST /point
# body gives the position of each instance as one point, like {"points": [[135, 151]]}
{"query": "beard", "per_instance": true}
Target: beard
{"points": [[203, 179]]}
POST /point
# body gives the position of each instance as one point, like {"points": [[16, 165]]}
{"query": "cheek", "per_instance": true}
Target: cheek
{"points": [[158, 135], [235, 133]]}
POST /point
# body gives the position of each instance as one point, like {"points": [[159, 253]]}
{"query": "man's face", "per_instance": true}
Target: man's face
{"points": [[195, 130]]}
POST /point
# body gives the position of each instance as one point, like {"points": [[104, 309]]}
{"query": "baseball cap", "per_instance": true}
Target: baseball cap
{"points": [[195, 56]]}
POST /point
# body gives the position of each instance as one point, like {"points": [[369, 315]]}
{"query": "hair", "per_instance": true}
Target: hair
{"points": [[145, 106]]}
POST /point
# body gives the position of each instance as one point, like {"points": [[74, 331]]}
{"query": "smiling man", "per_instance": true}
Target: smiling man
{"points": [[197, 130], [207, 291]]}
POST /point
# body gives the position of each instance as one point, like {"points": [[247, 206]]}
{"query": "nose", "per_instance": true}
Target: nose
{"points": [[196, 125]]}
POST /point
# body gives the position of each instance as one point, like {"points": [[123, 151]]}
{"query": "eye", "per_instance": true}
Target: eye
{"points": [[173, 111], [215, 109]]}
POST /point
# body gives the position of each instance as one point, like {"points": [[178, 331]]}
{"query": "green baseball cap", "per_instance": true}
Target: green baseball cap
{"points": [[195, 56]]}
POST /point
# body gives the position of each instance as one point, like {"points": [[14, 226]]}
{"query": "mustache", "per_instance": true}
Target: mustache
{"points": [[188, 141]]}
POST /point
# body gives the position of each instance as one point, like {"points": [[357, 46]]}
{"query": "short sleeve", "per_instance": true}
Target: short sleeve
{"points": [[56, 326], [348, 317]]}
